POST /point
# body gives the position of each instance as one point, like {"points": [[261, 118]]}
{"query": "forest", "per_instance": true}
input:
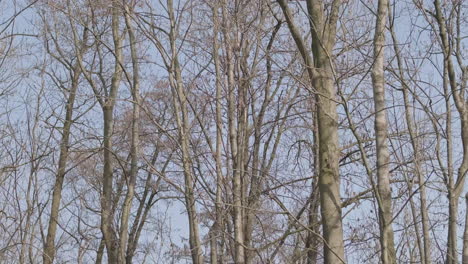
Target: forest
{"points": [[233, 131]]}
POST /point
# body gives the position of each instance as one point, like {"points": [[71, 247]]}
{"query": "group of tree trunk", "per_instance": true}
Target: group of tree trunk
{"points": [[233, 131]]}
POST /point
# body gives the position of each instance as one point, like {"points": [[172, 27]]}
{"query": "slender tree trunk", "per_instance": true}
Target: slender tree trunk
{"points": [[258, 168], [134, 148], [239, 251], [388, 254], [465, 234], [312, 242], [455, 188], [107, 213], [144, 208], [49, 247], [106, 203], [217, 225], [180, 103], [426, 252], [449, 181], [452, 256], [181, 116]]}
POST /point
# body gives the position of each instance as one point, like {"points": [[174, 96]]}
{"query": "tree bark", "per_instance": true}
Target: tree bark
{"points": [[217, 225], [426, 250], [454, 187], [312, 240], [321, 74], [180, 104], [134, 148], [49, 247], [465, 234], [384, 197], [107, 214], [234, 140]]}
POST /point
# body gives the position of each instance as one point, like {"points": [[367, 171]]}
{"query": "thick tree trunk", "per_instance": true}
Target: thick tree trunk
{"points": [[329, 182], [327, 118], [100, 252]]}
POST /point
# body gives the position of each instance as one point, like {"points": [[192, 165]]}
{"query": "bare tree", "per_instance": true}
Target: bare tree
{"points": [[450, 50], [321, 75], [74, 69], [384, 194]]}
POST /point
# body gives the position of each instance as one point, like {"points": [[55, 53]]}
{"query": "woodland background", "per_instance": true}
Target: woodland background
{"points": [[233, 131]]}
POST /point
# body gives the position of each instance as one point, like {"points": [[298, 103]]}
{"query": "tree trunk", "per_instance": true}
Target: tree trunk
{"points": [[321, 74], [49, 247], [465, 234], [312, 240], [134, 148], [457, 92], [384, 196], [426, 250], [180, 104], [107, 214], [238, 221], [327, 118], [217, 225]]}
